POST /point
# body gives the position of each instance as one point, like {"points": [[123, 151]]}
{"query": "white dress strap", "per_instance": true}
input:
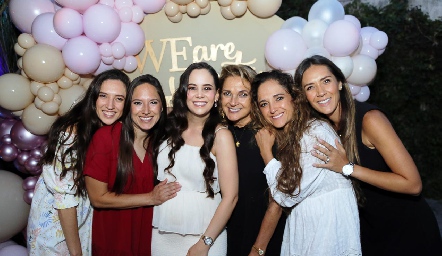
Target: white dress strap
{"points": [[219, 128]]}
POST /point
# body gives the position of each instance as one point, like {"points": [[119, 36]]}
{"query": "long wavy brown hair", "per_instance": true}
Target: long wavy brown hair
{"points": [[287, 139]]}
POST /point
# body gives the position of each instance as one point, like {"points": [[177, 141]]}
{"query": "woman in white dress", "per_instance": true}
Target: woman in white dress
{"points": [[199, 153], [324, 216]]}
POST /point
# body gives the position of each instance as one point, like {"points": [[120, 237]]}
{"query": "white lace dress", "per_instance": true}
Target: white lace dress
{"points": [[179, 222], [324, 220]]}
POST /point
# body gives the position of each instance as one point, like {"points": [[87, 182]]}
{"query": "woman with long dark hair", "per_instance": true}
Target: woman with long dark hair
{"points": [[120, 171], [60, 220], [199, 153], [324, 215], [395, 219]]}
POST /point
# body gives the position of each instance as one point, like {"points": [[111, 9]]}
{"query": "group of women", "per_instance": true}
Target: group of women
{"points": [[244, 164]]}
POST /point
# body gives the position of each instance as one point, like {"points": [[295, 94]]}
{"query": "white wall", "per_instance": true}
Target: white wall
{"points": [[432, 7]]}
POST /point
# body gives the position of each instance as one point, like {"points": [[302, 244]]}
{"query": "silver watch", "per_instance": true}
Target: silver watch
{"points": [[207, 240], [347, 169]]}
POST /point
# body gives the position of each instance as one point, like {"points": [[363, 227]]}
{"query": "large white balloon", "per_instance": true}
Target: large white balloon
{"points": [[328, 11], [15, 211], [364, 70]]}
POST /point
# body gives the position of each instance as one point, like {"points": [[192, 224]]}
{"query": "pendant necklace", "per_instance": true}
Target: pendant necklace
{"points": [[237, 143]]}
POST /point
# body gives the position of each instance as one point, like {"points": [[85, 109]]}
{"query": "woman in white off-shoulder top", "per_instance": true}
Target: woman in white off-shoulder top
{"points": [[199, 153], [324, 216]]}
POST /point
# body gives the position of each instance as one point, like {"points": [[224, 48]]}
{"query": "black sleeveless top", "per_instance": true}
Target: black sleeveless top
{"points": [[392, 223], [253, 199]]}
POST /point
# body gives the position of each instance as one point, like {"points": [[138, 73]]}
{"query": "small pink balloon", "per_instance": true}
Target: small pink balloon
{"points": [[132, 37], [101, 23], [6, 125], [29, 183], [119, 63], [118, 50], [370, 51], [107, 2], [23, 157], [68, 23], [24, 12], [131, 64], [137, 14], [125, 14], [363, 95], [150, 6], [23, 139], [366, 34], [105, 50], [81, 55], [8, 152], [79, 5], [36, 152], [28, 195], [119, 4], [103, 67], [44, 32], [355, 89], [379, 40], [107, 61]]}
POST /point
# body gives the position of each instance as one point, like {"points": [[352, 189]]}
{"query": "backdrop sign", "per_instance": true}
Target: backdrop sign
{"points": [[171, 47]]}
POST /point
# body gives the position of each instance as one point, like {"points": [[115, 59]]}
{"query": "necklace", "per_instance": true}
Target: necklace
{"points": [[237, 143]]}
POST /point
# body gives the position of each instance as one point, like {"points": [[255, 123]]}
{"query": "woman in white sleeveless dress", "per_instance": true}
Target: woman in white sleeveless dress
{"points": [[199, 153]]}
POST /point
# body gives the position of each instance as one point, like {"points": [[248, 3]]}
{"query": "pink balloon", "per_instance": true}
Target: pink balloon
{"points": [[119, 4], [150, 6], [119, 63], [24, 12], [6, 125], [341, 38], [44, 32], [81, 55], [28, 195], [370, 51], [285, 49], [366, 33], [29, 183], [132, 37], [118, 50], [379, 40], [105, 50], [101, 23], [353, 20], [125, 14], [79, 5], [23, 139], [137, 14], [8, 152], [6, 139], [106, 61], [363, 95], [68, 23], [131, 64], [107, 2], [37, 152], [355, 89], [23, 157], [103, 67]]}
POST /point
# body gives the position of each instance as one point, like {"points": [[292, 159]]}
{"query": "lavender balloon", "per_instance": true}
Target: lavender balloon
{"points": [[21, 168], [23, 157], [8, 152], [6, 114], [23, 139], [32, 166], [28, 195], [6, 125], [29, 183]]}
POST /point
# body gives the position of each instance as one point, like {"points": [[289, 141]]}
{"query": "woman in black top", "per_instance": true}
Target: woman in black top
{"points": [[256, 226]]}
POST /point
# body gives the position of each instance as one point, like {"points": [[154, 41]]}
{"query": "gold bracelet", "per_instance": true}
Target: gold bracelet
{"points": [[259, 250]]}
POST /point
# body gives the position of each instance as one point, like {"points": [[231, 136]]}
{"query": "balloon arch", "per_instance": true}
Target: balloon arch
{"points": [[64, 43]]}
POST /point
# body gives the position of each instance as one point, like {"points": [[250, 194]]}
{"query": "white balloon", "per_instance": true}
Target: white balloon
{"points": [[363, 94], [313, 33], [364, 70], [317, 50], [328, 11], [295, 23], [345, 64]]}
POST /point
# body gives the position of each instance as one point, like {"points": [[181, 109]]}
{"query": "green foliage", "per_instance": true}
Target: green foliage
{"points": [[408, 84], [8, 37]]}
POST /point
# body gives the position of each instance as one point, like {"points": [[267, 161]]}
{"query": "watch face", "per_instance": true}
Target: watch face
{"points": [[208, 240], [260, 252]]}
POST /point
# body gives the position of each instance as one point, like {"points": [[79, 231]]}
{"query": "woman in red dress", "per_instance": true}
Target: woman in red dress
{"points": [[119, 171]]}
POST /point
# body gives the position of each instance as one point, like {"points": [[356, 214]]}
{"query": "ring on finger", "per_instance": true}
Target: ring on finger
{"points": [[327, 160]]}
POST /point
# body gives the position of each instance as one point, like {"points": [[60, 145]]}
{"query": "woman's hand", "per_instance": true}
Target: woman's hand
{"points": [[199, 249], [265, 140], [164, 191], [334, 158]]}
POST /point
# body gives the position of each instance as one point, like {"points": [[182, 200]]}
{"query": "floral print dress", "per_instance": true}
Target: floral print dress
{"points": [[44, 233]]}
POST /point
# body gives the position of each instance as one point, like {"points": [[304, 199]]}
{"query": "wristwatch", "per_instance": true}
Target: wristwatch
{"points": [[259, 250], [207, 240], [347, 169]]}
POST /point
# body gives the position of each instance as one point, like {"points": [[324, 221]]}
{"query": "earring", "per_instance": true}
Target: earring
{"points": [[216, 104], [223, 115]]}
